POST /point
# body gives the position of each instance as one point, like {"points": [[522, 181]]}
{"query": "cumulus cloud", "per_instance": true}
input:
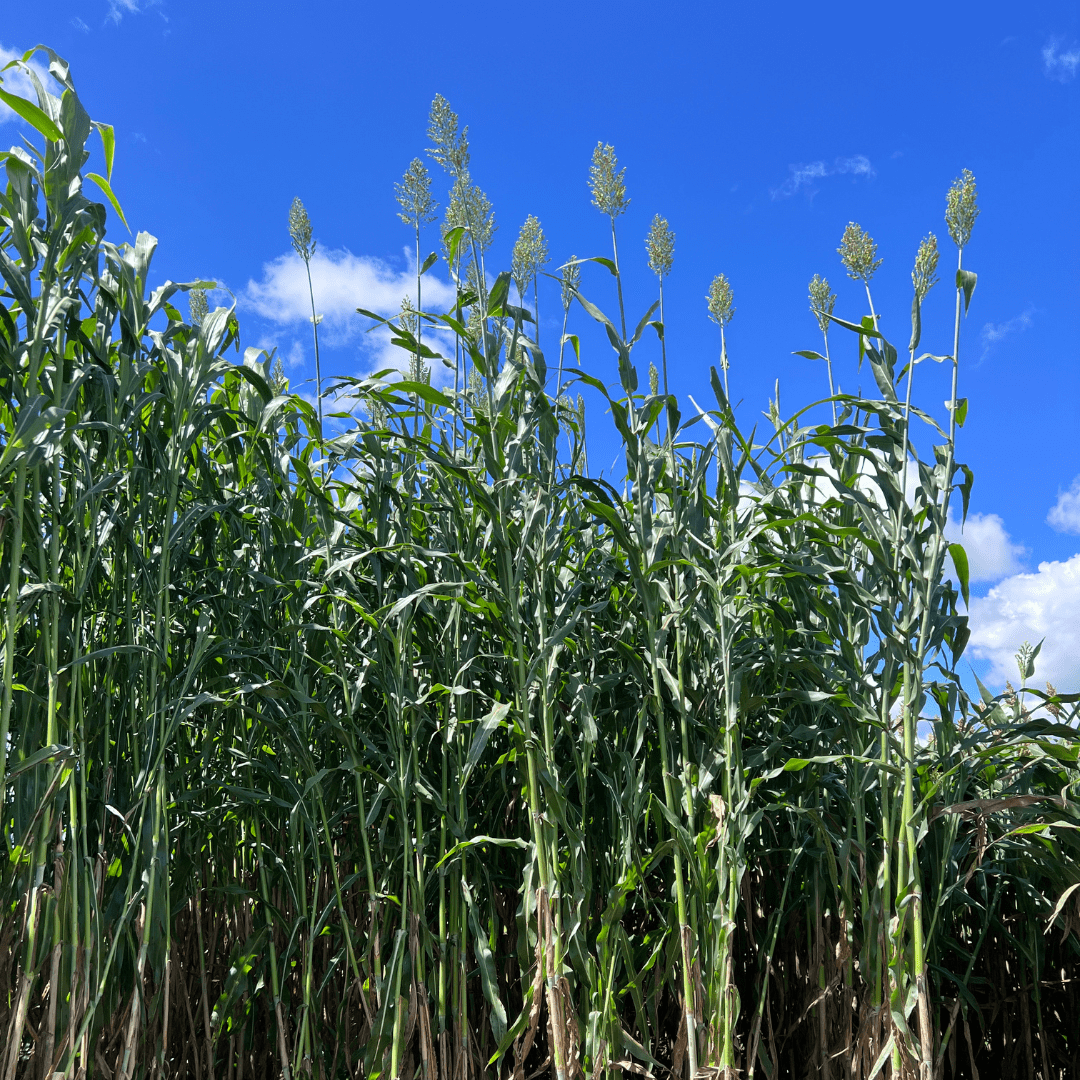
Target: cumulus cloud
{"points": [[342, 282], [803, 176], [1030, 607], [992, 333], [991, 552], [1060, 63], [16, 81], [1064, 515]]}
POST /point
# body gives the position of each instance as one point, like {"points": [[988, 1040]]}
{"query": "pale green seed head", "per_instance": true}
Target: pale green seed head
{"points": [[476, 389], [377, 412], [198, 306], [571, 280], [407, 316], [414, 195], [278, 379], [654, 379], [857, 253], [530, 254], [822, 301], [962, 208], [660, 244], [1025, 662], [924, 275], [300, 230], [450, 147], [606, 182], [470, 207], [720, 299]]}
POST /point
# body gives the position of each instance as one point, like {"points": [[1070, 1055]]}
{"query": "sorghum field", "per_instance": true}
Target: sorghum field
{"points": [[375, 735]]}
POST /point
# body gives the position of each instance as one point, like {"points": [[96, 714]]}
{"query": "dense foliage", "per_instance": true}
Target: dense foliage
{"points": [[416, 751]]}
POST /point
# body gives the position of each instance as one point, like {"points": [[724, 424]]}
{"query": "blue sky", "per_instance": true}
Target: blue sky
{"points": [[758, 130]]}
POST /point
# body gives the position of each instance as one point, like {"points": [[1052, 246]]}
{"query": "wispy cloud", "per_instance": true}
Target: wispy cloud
{"points": [[80, 25], [119, 8], [1060, 62], [803, 176], [1064, 515], [993, 333]]}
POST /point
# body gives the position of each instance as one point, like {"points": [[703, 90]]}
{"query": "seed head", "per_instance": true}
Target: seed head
{"points": [[571, 279], [721, 308], [414, 194], [607, 186], [1052, 708], [822, 301], [451, 147], [857, 253], [407, 317], [530, 254], [278, 379], [923, 277], [660, 244], [1025, 663], [962, 208], [654, 379], [470, 207], [300, 230], [197, 306]]}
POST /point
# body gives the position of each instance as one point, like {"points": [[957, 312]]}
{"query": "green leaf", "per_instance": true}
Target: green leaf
{"points": [[603, 262], [960, 561], [856, 327], [489, 983], [429, 262], [879, 1064], [108, 145], [480, 740], [424, 391], [104, 185], [965, 488], [809, 354], [643, 323], [961, 411], [452, 240], [55, 752], [32, 115], [965, 280], [573, 339], [1062, 899], [499, 292]]}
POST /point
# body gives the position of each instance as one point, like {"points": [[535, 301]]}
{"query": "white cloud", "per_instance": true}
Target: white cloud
{"points": [[991, 552], [1064, 515], [804, 175], [342, 282], [992, 333], [80, 25], [119, 8], [16, 81], [1060, 63], [1030, 607]]}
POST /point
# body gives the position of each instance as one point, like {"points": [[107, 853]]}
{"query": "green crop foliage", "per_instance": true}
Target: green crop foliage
{"points": [[415, 751]]}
